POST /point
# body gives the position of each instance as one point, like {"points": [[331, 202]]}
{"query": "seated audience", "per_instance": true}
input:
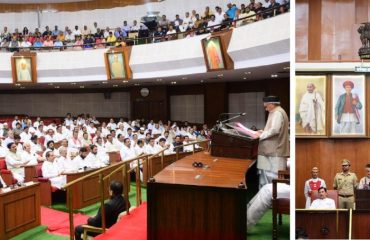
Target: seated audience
{"points": [[51, 170], [365, 181]]}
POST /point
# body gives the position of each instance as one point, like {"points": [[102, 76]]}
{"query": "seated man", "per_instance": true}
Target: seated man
{"points": [[262, 202], [323, 202], [365, 181], [51, 169], [113, 208]]}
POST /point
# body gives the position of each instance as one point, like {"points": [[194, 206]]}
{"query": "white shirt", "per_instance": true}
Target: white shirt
{"points": [[31, 158], [25, 136], [149, 149], [127, 153], [326, 203], [94, 161]]}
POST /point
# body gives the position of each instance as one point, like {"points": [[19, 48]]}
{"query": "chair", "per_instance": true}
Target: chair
{"points": [[45, 186], [279, 206], [333, 194], [6, 174]]}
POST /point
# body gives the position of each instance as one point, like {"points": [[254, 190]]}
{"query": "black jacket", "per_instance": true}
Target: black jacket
{"points": [[113, 207]]}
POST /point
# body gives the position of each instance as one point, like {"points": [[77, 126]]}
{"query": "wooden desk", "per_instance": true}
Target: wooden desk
{"points": [[186, 202], [86, 192], [360, 224], [19, 210], [323, 224]]}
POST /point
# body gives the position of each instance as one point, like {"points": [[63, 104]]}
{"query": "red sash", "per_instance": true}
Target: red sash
{"points": [[314, 185]]}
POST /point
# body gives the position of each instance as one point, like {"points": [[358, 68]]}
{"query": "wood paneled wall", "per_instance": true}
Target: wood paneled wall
{"points": [[326, 30], [77, 6], [327, 154]]}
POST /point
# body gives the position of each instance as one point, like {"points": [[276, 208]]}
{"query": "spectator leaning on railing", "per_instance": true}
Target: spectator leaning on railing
{"points": [[96, 37]]}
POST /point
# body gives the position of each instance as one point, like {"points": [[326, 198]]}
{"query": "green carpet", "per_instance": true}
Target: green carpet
{"points": [[263, 229], [93, 209], [38, 233]]}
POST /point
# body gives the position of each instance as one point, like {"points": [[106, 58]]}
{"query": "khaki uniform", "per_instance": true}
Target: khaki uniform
{"points": [[346, 185]]}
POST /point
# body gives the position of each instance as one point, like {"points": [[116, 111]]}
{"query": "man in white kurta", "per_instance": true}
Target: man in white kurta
{"points": [[29, 157], [312, 184], [152, 148], [128, 152], [14, 162], [312, 111], [323, 202], [262, 202], [93, 159], [52, 171], [273, 148]]}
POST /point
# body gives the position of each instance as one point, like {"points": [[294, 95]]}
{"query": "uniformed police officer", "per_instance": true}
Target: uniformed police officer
{"points": [[345, 182]]}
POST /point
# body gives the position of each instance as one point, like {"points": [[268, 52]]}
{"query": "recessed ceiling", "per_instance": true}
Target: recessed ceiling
{"points": [[39, 1]]}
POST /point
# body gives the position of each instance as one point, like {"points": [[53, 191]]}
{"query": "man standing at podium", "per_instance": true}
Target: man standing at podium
{"points": [[273, 148], [345, 182], [365, 181]]}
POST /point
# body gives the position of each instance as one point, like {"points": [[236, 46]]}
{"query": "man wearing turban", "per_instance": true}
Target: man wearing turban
{"points": [[347, 109]]}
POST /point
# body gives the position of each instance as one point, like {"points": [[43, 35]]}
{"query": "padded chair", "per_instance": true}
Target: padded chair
{"points": [[45, 186], [6, 174], [333, 194], [279, 206]]}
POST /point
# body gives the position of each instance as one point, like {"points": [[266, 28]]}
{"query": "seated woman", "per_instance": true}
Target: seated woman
{"points": [[78, 45], [99, 42], [48, 42], [51, 170], [113, 208]]}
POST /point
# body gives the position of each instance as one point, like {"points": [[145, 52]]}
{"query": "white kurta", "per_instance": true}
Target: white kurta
{"points": [[326, 203], [262, 202], [312, 111], [12, 160], [94, 161], [31, 158], [52, 171]]}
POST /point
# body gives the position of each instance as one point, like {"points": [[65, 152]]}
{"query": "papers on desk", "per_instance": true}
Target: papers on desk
{"points": [[28, 183], [5, 190]]}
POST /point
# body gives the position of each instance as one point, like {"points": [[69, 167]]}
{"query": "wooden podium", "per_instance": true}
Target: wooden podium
{"points": [[362, 199], [185, 202], [227, 145]]}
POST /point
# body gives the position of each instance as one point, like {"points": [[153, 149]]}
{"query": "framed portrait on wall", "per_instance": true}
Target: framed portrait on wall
{"points": [[348, 106], [24, 68], [213, 53], [311, 105], [116, 64]]}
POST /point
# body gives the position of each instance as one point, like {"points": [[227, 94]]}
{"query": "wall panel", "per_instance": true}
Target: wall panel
{"points": [[327, 154]]}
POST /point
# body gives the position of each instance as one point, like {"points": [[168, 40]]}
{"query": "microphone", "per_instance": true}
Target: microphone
{"points": [[243, 114]]}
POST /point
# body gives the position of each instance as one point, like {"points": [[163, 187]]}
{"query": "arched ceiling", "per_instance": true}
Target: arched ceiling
{"points": [[65, 5]]}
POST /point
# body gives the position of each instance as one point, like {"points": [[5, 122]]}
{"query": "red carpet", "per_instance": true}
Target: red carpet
{"points": [[58, 222], [131, 226]]}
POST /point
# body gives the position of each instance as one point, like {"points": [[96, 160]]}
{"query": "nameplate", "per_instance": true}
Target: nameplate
{"points": [[362, 69]]}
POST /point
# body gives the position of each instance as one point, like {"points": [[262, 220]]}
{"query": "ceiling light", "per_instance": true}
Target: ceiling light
{"points": [[159, 79], [115, 85], [173, 82], [220, 75], [202, 81], [82, 86], [23, 87], [184, 78], [73, 83], [137, 84], [18, 85], [247, 73], [244, 78], [104, 82], [274, 75], [125, 81], [50, 84], [56, 87], [286, 68]]}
